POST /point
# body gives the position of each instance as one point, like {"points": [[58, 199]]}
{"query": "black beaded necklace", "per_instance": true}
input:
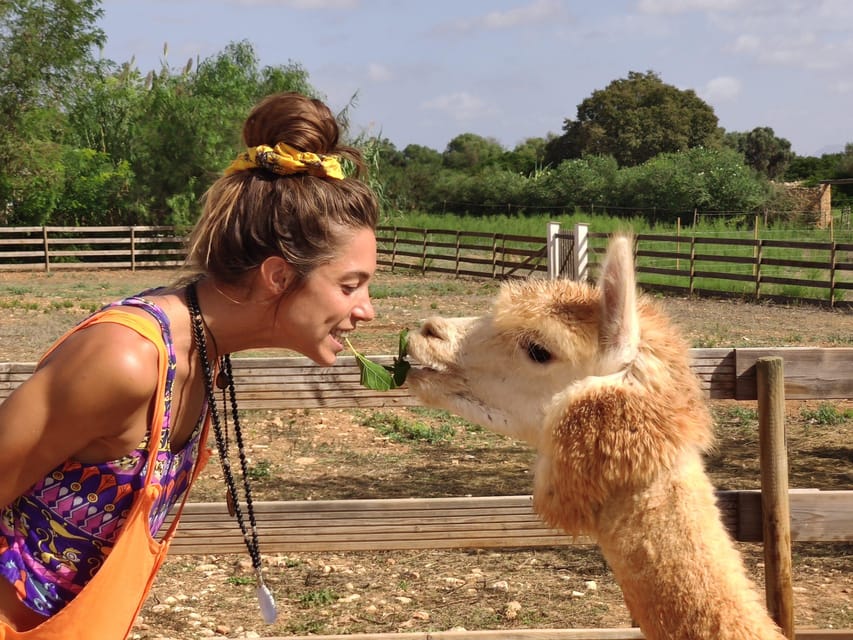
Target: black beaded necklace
{"points": [[225, 380]]}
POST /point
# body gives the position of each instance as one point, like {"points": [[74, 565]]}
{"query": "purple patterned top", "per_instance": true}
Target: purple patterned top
{"points": [[54, 538]]}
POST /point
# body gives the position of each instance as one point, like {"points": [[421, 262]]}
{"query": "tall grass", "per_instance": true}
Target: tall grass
{"points": [[535, 225]]}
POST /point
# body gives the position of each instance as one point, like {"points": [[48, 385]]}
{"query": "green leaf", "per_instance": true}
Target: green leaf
{"points": [[381, 377], [403, 344], [373, 375], [400, 370]]}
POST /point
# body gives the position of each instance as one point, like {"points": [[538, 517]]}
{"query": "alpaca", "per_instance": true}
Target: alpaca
{"points": [[599, 383]]}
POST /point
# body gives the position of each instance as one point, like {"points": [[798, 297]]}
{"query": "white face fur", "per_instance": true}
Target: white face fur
{"points": [[505, 371]]}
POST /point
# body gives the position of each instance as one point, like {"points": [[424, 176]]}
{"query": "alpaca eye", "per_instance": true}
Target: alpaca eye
{"points": [[538, 353]]}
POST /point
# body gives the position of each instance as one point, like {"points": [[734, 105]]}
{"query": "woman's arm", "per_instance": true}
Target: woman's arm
{"points": [[90, 399]]}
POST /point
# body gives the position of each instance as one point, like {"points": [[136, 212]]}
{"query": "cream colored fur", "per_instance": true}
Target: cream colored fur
{"points": [[597, 380]]}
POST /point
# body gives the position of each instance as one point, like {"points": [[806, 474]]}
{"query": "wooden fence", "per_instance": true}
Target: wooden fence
{"points": [[509, 521], [760, 269]]}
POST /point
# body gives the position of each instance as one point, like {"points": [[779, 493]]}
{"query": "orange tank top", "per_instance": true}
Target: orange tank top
{"points": [[109, 603]]}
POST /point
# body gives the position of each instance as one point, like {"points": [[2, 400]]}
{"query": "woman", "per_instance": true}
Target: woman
{"points": [[281, 258]]}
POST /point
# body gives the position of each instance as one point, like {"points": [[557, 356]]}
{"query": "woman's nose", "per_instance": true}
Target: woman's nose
{"points": [[364, 310]]}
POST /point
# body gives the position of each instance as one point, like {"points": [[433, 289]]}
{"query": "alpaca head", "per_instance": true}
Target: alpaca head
{"points": [[592, 376]]}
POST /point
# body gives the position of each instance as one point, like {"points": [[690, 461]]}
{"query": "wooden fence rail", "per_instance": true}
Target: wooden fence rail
{"points": [[499, 521], [820, 272]]}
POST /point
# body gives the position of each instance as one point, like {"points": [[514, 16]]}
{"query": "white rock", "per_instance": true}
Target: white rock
{"points": [[511, 610], [350, 598], [590, 585]]}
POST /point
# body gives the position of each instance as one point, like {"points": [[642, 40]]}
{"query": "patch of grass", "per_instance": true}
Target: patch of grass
{"points": [[737, 420], [18, 304], [742, 414], [307, 628], [446, 418], [826, 414], [240, 580], [15, 290], [261, 470], [317, 598], [399, 429]]}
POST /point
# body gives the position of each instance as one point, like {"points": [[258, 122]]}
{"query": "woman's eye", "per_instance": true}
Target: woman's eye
{"points": [[538, 353]]}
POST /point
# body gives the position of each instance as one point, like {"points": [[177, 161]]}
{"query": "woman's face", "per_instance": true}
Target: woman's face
{"points": [[331, 301]]}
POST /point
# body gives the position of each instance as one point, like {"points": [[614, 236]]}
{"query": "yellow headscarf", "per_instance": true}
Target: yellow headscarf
{"points": [[285, 160]]}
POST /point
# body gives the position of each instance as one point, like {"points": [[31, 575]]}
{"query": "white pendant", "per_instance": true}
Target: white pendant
{"points": [[267, 603]]}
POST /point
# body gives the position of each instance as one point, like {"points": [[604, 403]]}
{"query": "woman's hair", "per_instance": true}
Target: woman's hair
{"points": [[253, 214]]}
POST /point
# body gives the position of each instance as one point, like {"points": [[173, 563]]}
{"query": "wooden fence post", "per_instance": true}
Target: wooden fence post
{"points": [[759, 257], [494, 255], [580, 252], [776, 513], [46, 248], [692, 260], [552, 244], [456, 268], [424, 252], [833, 258], [133, 248], [677, 241]]}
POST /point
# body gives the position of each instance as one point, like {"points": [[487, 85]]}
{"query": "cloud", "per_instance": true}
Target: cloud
{"points": [[802, 50], [303, 4], [537, 12], [461, 106], [672, 7], [842, 87], [746, 43], [721, 89], [378, 72]]}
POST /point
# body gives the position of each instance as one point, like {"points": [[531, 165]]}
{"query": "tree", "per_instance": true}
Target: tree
{"points": [[766, 153], [527, 157], [470, 152], [634, 119], [189, 126], [710, 179], [46, 48]]}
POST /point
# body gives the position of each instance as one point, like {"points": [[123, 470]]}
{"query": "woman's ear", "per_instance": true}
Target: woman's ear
{"points": [[276, 275]]}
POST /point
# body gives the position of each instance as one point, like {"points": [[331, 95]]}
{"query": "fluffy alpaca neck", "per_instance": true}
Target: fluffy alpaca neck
{"points": [[678, 569]]}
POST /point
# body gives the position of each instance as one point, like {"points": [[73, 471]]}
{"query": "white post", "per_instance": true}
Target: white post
{"points": [[581, 251], [553, 250]]}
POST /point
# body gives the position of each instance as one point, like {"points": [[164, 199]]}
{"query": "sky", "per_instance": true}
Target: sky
{"points": [[426, 71]]}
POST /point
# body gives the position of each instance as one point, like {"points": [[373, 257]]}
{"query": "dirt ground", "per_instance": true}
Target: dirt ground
{"points": [[396, 453]]}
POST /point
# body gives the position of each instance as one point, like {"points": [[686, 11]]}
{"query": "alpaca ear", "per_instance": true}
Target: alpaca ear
{"points": [[620, 327]]}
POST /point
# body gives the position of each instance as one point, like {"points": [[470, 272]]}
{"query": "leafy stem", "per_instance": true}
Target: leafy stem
{"points": [[383, 377]]}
